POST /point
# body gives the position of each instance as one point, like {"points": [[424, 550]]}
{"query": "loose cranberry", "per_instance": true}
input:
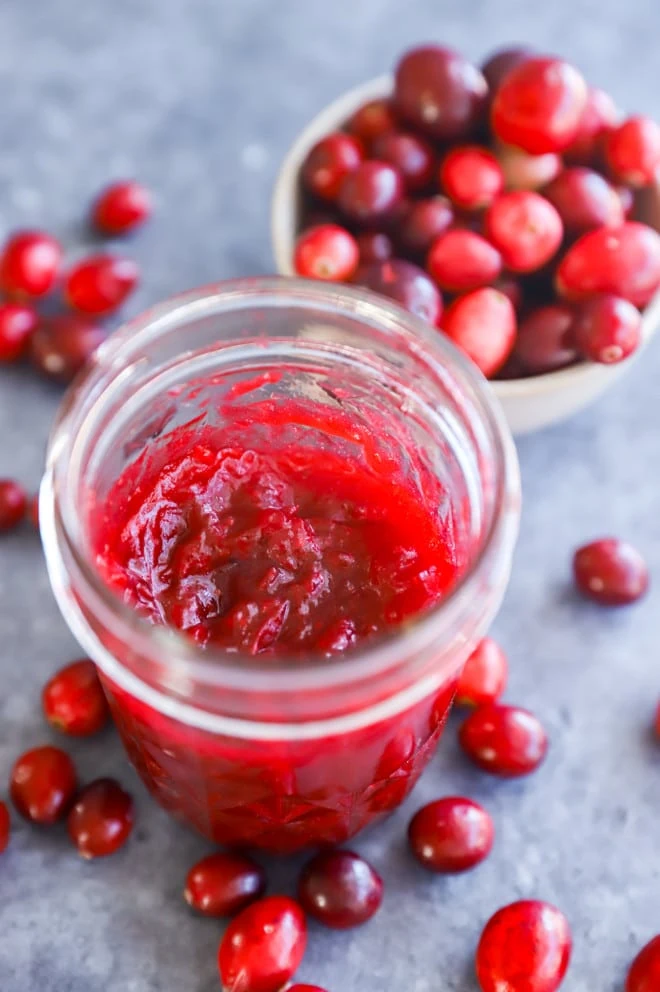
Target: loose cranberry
{"points": [[328, 252], [43, 784], [439, 92], [471, 177], [525, 947], [423, 222], [73, 700], [13, 504], [372, 120], [30, 264], [263, 946], [451, 835], [101, 819], [62, 345], [374, 246], [644, 974], [498, 66], [598, 117], [545, 342], [584, 200], [100, 283], [610, 571], [526, 172], [122, 207], [371, 192], [17, 323], [406, 284], [632, 151], [483, 679], [460, 260], [340, 889], [525, 228], [411, 155], [483, 325], [5, 827], [504, 740], [223, 884], [607, 329], [539, 105], [329, 162], [624, 262]]}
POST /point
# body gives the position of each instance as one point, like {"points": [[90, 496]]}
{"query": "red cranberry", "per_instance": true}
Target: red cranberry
{"points": [[122, 207], [17, 324], [624, 262], [101, 819], [644, 974], [526, 172], [62, 345], [498, 66], [545, 341], [328, 252], [374, 246], [100, 283], [584, 200], [460, 260], [406, 284], [371, 192], [607, 329], [340, 889], [223, 884], [439, 92], [483, 679], [451, 835], [610, 571], [43, 784], [5, 827], [411, 155], [483, 325], [372, 120], [13, 504], [423, 222], [525, 228], [525, 947], [329, 162], [263, 946], [30, 264], [471, 177], [632, 151], [504, 740], [539, 105], [73, 700], [598, 117]]}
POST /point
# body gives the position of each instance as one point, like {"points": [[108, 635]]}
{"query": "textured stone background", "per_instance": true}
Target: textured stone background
{"points": [[200, 99]]}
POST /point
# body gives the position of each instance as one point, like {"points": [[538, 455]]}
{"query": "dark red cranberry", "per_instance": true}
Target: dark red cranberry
{"points": [[471, 177], [73, 700], [610, 571], [584, 200], [504, 740], [632, 151], [460, 260], [372, 120], [483, 679], [329, 162], [406, 284], [263, 946], [423, 222], [500, 64], [451, 835], [644, 974], [371, 192], [526, 172], [5, 827], [598, 117], [223, 884], [340, 889], [525, 228], [328, 252], [545, 342], [62, 345], [374, 246], [411, 155], [525, 947], [122, 207], [17, 323], [439, 92], [483, 325], [30, 264], [43, 784], [100, 283], [624, 262], [101, 819], [13, 504], [607, 329]]}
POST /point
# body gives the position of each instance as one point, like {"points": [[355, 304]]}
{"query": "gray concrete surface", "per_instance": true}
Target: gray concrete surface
{"points": [[200, 99]]}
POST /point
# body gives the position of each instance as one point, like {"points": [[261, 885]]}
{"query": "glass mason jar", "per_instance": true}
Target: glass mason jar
{"points": [[282, 755]]}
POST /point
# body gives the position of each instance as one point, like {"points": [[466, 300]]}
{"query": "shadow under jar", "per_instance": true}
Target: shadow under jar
{"points": [[273, 741]]}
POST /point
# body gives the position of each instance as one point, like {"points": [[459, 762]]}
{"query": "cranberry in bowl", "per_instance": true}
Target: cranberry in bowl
{"points": [[279, 515]]}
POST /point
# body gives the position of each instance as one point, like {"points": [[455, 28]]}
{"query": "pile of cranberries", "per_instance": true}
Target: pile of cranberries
{"points": [[499, 205]]}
